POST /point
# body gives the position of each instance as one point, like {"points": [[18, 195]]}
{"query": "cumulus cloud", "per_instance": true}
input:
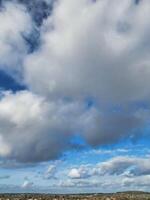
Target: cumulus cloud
{"points": [[89, 50], [33, 129], [45, 127], [117, 166], [108, 175], [106, 128], [82, 172], [130, 166]]}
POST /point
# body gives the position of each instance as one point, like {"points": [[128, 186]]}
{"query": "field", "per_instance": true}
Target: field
{"points": [[114, 196]]}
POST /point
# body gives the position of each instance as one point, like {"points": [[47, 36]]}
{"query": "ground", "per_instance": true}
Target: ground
{"points": [[113, 196]]}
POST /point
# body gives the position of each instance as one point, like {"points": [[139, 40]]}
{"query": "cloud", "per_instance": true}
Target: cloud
{"points": [[46, 127], [13, 46], [4, 148], [139, 182], [118, 166], [130, 166], [34, 130], [25, 117], [39, 9], [91, 50], [88, 50], [27, 185], [82, 172], [112, 151], [106, 128], [51, 172]]}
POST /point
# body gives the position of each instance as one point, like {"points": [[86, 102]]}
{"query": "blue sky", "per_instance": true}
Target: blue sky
{"points": [[74, 96]]}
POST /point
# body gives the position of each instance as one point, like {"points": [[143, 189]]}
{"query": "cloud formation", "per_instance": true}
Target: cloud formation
{"points": [[109, 175], [44, 127], [91, 49], [120, 166], [97, 51], [47, 127]]}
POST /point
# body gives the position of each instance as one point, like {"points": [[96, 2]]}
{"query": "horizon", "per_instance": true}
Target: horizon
{"points": [[98, 193]]}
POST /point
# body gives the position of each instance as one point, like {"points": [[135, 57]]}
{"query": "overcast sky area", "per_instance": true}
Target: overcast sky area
{"points": [[74, 95]]}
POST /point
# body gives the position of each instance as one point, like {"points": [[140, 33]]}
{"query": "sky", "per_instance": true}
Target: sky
{"points": [[74, 96]]}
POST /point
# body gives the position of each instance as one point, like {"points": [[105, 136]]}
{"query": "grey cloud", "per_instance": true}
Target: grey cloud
{"points": [[12, 44], [115, 166], [19, 39], [137, 182], [14, 164], [46, 128], [118, 166], [38, 9], [88, 50], [109, 128], [4, 177], [104, 63], [109, 64]]}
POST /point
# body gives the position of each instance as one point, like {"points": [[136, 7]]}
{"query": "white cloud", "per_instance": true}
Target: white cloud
{"points": [[91, 49], [28, 122], [130, 166], [74, 173], [47, 127], [27, 184], [4, 148], [124, 166], [80, 173], [115, 174], [35, 130], [51, 172], [15, 22]]}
